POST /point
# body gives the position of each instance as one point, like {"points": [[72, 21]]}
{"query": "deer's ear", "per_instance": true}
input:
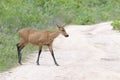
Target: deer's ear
{"points": [[58, 25], [63, 25]]}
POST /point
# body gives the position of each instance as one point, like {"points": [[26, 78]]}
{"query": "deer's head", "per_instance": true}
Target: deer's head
{"points": [[62, 30]]}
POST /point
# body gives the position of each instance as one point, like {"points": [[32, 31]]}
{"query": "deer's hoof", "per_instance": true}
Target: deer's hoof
{"points": [[38, 64], [57, 64], [20, 63]]}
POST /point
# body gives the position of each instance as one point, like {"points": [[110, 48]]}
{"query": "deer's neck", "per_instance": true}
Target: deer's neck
{"points": [[54, 34]]}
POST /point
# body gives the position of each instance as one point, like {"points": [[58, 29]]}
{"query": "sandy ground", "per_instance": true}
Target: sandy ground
{"points": [[92, 52]]}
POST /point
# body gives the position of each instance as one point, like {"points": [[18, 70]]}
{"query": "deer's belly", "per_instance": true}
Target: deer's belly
{"points": [[40, 41], [34, 42], [46, 42]]}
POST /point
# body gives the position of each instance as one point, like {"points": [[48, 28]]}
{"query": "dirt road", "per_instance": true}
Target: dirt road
{"points": [[92, 52]]}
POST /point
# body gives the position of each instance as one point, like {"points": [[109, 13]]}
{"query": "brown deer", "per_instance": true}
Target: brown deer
{"points": [[39, 38]]}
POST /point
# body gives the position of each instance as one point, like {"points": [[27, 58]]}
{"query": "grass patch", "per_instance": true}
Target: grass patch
{"points": [[8, 55], [8, 51], [116, 25]]}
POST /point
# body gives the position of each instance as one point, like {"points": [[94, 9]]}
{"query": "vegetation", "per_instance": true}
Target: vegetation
{"points": [[116, 25], [43, 14], [8, 51]]}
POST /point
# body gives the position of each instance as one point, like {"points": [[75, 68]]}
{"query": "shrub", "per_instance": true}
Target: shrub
{"points": [[116, 25]]}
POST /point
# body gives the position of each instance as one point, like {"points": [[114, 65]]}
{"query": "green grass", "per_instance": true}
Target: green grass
{"points": [[8, 51], [116, 25], [44, 14], [15, 14]]}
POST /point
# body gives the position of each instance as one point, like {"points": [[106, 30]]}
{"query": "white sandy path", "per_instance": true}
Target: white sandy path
{"points": [[92, 52]]}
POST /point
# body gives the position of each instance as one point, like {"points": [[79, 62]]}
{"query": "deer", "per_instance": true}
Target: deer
{"points": [[39, 38]]}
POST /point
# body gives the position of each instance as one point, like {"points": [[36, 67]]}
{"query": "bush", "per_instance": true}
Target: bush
{"points": [[116, 25], [41, 14]]}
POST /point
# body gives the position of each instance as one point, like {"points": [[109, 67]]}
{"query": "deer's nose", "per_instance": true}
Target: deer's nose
{"points": [[66, 35]]}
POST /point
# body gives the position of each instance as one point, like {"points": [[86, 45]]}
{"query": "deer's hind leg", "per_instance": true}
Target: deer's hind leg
{"points": [[20, 46], [40, 50]]}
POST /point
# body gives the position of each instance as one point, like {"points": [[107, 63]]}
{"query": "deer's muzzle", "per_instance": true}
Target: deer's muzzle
{"points": [[66, 35]]}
